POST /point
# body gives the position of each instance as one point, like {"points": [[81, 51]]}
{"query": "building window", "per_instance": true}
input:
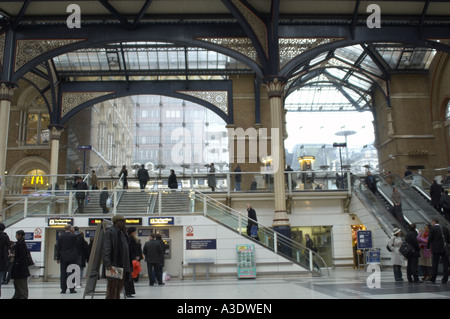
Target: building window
{"points": [[37, 131]]}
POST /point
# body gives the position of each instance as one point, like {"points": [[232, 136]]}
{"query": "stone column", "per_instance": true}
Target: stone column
{"points": [[6, 92], [275, 88], [55, 135]]}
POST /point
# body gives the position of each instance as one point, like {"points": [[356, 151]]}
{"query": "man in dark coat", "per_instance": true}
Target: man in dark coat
{"points": [[116, 254], [81, 188], [5, 244], [435, 194], [153, 253], [436, 239], [103, 200], [143, 177], [66, 254], [20, 271], [252, 221], [413, 261]]}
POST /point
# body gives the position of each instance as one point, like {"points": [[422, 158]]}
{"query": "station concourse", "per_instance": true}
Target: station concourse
{"points": [[92, 88]]}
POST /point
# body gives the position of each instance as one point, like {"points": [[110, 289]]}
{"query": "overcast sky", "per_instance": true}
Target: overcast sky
{"points": [[321, 127]]}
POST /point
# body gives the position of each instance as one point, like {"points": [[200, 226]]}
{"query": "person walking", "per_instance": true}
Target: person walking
{"points": [[20, 271], [161, 261], [143, 177], [5, 244], [136, 254], [396, 257], [425, 253], [153, 253], [252, 222], [412, 272], [93, 181], [123, 175], [212, 177], [437, 238], [237, 178], [81, 188], [116, 257], [172, 181], [103, 200], [67, 254]]}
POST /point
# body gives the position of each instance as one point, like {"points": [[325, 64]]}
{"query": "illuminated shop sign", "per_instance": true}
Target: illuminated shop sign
{"points": [[161, 221], [59, 222], [96, 221], [133, 221]]}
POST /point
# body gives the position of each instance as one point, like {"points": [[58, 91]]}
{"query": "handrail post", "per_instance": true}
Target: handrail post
{"points": [[240, 224], [228, 184], [25, 208], [311, 260], [159, 202], [70, 206], [204, 206], [275, 242], [115, 201]]}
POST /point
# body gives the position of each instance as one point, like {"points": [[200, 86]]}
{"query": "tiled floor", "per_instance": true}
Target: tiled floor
{"points": [[341, 284]]}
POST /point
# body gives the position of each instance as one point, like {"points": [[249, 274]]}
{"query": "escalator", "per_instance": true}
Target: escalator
{"points": [[378, 209], [416, 208], [420, 184]]}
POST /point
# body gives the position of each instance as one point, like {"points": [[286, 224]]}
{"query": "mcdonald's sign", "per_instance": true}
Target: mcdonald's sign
{"points": [[37, 180]]}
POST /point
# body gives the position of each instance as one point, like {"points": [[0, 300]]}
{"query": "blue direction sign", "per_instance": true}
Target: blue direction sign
{"points": [[364, 239], [85, 147]]}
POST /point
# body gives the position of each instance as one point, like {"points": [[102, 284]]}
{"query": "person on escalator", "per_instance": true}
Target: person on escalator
{"points": [[396, 198], [444, 202], [436, 191], [370, 182]]}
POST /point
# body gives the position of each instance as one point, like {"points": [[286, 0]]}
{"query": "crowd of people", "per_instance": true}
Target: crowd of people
{"points": [[427, 248]]}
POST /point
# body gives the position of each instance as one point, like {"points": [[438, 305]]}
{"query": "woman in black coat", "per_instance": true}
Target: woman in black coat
{"points": [[20, 271], [413, 261], [173, 184]]}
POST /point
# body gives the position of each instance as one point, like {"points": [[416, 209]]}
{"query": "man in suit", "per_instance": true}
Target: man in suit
{"points": [[436, 240], [66, 254]]}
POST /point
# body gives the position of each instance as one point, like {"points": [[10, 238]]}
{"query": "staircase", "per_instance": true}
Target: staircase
{"points": [[93, 206], [134, 203], [172, 202]]}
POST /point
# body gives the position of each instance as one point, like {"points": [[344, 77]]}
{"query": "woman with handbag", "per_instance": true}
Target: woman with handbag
{"points": [[425, 253], [396, 257]]}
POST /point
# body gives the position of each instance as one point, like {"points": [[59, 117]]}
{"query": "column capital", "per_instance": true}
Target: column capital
{"points": [[55, 131], [275, 86], [7, 90]]}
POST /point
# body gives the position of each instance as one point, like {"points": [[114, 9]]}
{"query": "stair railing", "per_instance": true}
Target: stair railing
{"points": [[267, 237]]}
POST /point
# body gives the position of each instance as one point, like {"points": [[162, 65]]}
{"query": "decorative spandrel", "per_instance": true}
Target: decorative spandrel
{"points": [[71, 100], [217, 98], [291, 47], [38, 81], [243, 46], [27, 50]]}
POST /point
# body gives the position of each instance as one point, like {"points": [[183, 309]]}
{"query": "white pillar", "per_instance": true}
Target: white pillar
{"points": [[275, 90], [55, 135]]}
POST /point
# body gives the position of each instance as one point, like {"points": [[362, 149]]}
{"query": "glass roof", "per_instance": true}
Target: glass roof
{"points": [[151, 57], [342, 79]]}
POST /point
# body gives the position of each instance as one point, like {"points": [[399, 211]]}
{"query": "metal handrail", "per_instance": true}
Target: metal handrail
{"points": [[281, 244]]}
